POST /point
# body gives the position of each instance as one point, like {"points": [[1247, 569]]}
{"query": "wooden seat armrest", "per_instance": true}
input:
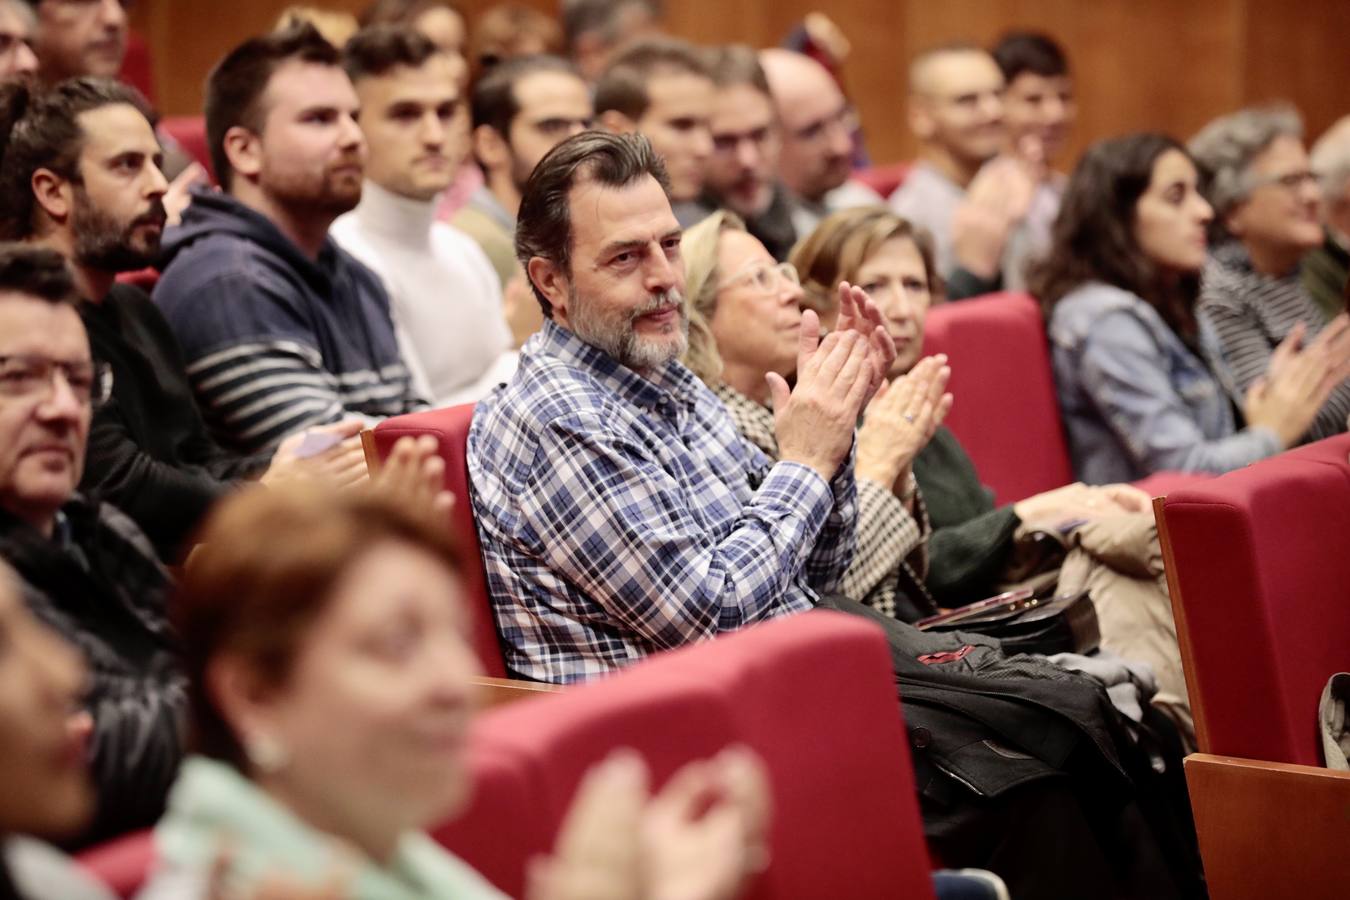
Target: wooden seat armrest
{"points": [[496, 691], [1270, 829]]}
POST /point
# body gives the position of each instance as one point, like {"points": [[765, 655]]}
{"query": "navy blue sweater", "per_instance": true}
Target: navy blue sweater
{"points": [[274, 341]]}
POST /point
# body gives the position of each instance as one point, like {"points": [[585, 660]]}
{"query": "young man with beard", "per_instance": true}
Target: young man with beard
{"points": [[281, 329], [447, 301], [82, 177], [17, 23], [663, 88], [520, 110]]}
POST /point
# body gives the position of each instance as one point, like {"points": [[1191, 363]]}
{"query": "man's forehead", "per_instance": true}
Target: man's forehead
{"points": [[31, 324], [603, 214], [542, 92], [740, 107], [116, 128], [297, 85], [686, 91], [432, 83], [957, 72]]}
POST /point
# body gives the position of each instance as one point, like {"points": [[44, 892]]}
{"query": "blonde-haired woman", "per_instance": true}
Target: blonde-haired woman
{"points": [[745, 323]]}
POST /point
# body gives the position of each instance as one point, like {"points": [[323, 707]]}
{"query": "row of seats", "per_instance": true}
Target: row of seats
{"points": [[812, 694], [1258, 565]]}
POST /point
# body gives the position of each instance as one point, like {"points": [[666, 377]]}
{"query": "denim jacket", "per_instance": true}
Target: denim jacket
{"points": [[1136, 399]]}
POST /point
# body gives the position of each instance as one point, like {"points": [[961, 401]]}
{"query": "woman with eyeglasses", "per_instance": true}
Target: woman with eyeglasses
{"points": [[1257, 176], [745, 323], [1142, 382]]}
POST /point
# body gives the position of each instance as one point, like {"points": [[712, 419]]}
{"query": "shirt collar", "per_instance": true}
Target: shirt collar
{"points": [[668, 388]]}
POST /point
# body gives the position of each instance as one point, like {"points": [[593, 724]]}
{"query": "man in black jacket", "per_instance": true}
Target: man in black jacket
{"points": [[86, 569], [82, 177]]}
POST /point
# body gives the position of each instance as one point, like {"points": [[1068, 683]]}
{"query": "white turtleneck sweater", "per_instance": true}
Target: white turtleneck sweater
{"points": [[444, 295]]}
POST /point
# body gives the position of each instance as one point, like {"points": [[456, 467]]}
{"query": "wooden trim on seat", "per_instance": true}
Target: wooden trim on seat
{"points": [[498, 691], [369, 449], [1183, 632], [1270, 829]]}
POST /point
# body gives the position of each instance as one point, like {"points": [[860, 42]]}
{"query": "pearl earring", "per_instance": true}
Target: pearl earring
{"points": [[267, 754]]}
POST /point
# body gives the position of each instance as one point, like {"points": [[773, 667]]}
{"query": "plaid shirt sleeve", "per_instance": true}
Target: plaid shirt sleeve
{"points": [[608, 514]]}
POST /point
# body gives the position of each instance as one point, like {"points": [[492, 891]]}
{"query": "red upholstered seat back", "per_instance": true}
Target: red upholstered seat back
{"points": [[1005, 412], [138, 68], [1261, 559], [450, 428], [122, 864], [190, 133], [813, 694], [883, 179]]}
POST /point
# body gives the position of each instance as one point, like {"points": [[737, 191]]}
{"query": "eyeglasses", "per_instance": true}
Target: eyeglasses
{"points": [[34, 376], [765, 278], [1290, 181]]}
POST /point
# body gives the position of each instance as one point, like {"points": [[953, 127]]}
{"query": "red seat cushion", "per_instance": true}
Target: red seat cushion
{"points": [[1259, 556], [1005, 414], [190, 133], [883, 179], [122, 864], [450, 428]]}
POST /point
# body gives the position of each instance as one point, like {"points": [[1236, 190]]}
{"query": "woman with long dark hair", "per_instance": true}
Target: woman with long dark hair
{"points": [[1141, 381]]}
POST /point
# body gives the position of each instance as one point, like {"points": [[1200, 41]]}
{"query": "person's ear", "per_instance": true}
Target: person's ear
{"points": [[240, 695], [1235, 220], [490, 148], [54, 195], [921, 121], [243, 148], [550, 280], [615, 122]]}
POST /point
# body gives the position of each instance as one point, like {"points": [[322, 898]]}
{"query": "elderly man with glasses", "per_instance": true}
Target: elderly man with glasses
{"points": [[1266, 201], [86, 569]]}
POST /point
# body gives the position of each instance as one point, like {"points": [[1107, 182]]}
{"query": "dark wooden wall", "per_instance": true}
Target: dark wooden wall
{"points": [[1167, 65]]}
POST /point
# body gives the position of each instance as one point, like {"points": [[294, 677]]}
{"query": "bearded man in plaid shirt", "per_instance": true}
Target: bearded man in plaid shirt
{"points": [[620, 511]]}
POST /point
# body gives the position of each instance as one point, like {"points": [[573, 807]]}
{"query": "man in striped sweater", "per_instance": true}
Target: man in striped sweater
{"points": [[281, 329]]}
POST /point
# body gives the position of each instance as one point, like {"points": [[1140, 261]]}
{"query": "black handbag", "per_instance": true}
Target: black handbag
{"points": [[1025, 624]]}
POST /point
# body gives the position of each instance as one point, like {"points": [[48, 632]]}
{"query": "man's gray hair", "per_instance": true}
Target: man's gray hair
{"points": [[1224, 150], [1331, 160]]}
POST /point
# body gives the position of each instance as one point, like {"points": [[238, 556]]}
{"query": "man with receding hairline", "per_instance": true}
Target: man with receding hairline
{"points": [[817, 124], [961, 189]]}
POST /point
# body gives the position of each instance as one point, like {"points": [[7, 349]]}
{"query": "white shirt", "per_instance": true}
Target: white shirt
{"points": [[445, 297]]}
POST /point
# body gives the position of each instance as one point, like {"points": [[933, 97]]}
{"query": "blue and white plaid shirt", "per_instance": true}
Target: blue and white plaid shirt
{"points": [[621, 515]]}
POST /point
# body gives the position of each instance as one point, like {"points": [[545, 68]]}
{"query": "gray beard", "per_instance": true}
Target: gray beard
{"points": [[620, 341]]}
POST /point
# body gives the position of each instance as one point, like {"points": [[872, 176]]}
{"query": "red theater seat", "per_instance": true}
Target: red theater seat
{"points": [[190, 133], [1006, 414], [1260, 583], [450, 428], [883, 179]]}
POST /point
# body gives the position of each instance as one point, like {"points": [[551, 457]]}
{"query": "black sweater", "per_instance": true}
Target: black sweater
{"points": [[150, 453]]}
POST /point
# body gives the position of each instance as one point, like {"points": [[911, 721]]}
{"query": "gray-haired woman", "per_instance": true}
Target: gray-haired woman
{"points": [[1258, 178]]}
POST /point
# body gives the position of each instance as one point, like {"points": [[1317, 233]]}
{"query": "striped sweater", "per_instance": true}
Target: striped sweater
{"points": [[274, 341], [1251, 313]]}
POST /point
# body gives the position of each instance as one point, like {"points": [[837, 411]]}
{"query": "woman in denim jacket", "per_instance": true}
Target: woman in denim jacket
{"points": [[1141, 382]]}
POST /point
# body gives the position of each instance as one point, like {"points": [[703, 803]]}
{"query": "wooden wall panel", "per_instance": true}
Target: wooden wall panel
{"points": [[1140, 64]]}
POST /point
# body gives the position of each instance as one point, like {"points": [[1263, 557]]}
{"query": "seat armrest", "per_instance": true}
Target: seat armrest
{"points": [[499, 691]]}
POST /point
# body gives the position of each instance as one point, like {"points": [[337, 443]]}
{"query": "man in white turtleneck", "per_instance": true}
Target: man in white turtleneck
{"points": [[445, 295]]}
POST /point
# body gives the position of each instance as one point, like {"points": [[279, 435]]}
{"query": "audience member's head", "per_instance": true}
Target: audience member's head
{"points": [[80, 37], [415, 122], [507, 30], [1256, 174], [1038, 101], [746, 143], [281, 125], [1132, 217], [745, 307], [597, 29], [601, 247], [43, 781], [303, 608], [1331, 164], [956, 107], [18, 27], [662, 88], [49, 384], [439, 20], [885, 255], [522, 109], [81, 175], [817, 124], [336, 26]]}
